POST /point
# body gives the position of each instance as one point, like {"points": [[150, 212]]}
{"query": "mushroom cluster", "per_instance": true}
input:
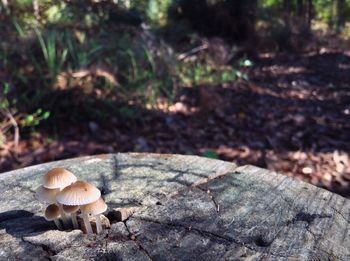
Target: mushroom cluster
{"points": [[68, 198]]}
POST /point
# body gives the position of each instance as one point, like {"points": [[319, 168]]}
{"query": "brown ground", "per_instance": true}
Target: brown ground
{"points": [[293, 116]]}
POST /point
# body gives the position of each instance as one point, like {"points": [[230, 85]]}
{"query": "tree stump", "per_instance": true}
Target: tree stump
{"points": [[172, 207]]}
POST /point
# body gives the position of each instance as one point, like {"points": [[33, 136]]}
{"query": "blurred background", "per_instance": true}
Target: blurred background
{"points": [[253, 82]]}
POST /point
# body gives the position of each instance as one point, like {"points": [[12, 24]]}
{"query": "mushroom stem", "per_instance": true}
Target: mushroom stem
{"points": [[87, 223], [63, 216], [98, 224], [74, 220], [58, 224]]}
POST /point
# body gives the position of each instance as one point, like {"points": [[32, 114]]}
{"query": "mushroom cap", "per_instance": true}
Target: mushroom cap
{"points": [[58, 178], [78, 193], [45, 195], [52, 212], [70, 209], [94, 208]]}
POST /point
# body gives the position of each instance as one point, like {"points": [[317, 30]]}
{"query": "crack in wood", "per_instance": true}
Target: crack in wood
{"points": [[45, 248], [331, 256], [339, 213], [219, 174], [137, 241], [299, 217], [106, 242], [307, 217], [212, 198], [204, 233]]}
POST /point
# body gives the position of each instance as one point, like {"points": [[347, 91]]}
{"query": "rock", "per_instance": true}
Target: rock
{"points": [[172, 207]]}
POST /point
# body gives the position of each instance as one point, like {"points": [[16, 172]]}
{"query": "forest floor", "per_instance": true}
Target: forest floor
{"points": [[292, 116]]}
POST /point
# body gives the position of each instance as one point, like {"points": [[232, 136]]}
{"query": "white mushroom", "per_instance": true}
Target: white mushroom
{"points": [[59, 178], [78, 194], [71, 210], [52, 213], [96, 208], [45, 195]]}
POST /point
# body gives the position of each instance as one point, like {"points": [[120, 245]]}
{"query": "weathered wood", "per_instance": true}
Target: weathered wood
{"points": [[183, 208]]}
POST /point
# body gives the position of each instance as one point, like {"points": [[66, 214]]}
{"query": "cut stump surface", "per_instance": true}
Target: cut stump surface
{"points": [[184, 208]]}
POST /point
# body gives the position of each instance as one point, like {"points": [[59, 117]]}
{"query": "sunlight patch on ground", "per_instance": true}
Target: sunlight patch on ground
{"points": [[326, 169], [279, 69]]}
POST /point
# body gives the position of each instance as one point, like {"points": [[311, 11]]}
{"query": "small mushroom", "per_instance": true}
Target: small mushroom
{"points": [[52, 213], [72, 211], [95, 209], [78, 194], [45, 195], [59, 178]]}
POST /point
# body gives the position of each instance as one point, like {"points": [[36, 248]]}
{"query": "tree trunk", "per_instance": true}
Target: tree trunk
{"points": [[338, 15], [309, 13]]}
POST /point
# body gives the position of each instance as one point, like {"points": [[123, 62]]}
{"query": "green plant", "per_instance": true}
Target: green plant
{"points": [[200, 73], [157, 11], [9, 105], [145, 73], [81, 51], [14, 120], [54, 55], [35, 118], [5, 104], [210, 154]]}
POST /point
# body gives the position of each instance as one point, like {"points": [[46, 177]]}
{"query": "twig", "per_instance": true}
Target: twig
{"points": [[192, 51], [36, 9], [15, 126]]}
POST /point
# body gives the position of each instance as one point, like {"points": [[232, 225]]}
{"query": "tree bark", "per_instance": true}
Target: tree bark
{"points": [[338, 15]]}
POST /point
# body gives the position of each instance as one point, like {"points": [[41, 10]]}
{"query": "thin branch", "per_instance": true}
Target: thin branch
{"points": [[15, 127], [36, 9], [192, 51]]}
